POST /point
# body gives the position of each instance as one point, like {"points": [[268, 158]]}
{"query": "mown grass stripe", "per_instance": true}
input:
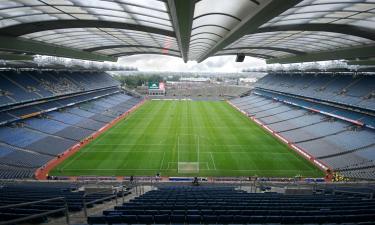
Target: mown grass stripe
{"points": [[146, 143]]}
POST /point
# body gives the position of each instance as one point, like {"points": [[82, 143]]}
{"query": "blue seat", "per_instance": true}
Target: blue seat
{"points": [[150, 212], [177, 218], [191, 219], [96, 219], [113, 219], [178, 212], [165, 212], [129, 219], [193, 212], [294, 219], [225, 219], [162, 218], [220, 212], [147, 219], [207, 212], [138, 212], [209, 219], [239, 219], [247, 212], [273, 219], [179, 207], [257, 219]]}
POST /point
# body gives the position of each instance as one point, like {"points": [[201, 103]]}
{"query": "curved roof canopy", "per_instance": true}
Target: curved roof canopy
{"points": [[280, 31]]}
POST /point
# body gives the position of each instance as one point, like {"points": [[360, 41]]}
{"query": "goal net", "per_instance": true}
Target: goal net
{"points": [[188, 154]]}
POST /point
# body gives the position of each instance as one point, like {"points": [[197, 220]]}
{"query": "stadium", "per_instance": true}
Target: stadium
{"points": [[86, 137]]}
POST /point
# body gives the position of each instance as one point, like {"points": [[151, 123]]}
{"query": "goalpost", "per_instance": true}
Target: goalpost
{"points": [[188, 154]]}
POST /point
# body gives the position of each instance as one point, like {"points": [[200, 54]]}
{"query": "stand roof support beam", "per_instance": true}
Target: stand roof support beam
{"points": [[182, 13], [21, 45], [267, 10], [367, 51]]}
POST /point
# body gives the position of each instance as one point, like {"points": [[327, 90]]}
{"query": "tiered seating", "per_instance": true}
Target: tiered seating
{"points": [[15, 157], [19, 136], [204, 90], [225, 205], [33, 140], [359, 163], [70, 108], [288, 114], [332, 140], [316, 130], [45, 125], [297, 122], [339, 143], [32, 85], [11, 194], [363, 116], [344, 89], [14, 113], [14, 93], [15, 172], [40, 139]]}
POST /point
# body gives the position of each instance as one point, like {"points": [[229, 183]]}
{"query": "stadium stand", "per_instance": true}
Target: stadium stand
{"points": [[55, 98], [227, 205], [326, 125], [32, 85], [202, 90], [355, 91], [63, 109], [41, 201]]}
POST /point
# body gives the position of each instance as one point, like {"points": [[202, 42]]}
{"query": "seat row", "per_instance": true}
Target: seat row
{"points": [[256, 208]]}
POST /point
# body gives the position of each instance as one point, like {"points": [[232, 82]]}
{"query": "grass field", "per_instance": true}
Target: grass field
{"points": [[160, 134]]}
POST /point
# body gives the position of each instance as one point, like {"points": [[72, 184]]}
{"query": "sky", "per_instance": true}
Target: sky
{"points": [[169, 63]]}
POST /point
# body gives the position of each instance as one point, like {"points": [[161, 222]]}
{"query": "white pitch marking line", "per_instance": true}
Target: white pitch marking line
{"points": [[130, 151], [170, 163], [104, 169], [134, 144], [162, 161], [111, 169], [213, 161], [206, 163], [79, 154]]}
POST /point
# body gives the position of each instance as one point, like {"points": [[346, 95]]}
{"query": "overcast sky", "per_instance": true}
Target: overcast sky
{"points": [[169, 63]]}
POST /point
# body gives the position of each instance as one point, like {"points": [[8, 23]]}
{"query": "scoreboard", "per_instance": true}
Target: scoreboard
{"points": [[153, 85], [156, 88]]}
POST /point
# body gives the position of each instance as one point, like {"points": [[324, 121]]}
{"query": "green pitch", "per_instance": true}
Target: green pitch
{"points": [[206, 138]]}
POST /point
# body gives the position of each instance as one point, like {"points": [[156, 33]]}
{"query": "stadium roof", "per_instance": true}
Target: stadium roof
{"points": [[281, 31]]}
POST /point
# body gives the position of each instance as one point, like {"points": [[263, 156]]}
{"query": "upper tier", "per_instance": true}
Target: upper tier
{"points": [[32, 85], [354, 91]]}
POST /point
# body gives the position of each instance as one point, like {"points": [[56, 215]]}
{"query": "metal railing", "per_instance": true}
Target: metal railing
{"points": [[65, 209], [85, 195]]}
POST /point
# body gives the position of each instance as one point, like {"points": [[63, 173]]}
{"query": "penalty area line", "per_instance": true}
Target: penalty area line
{"points": [[213, 161], [112, 169], [162, 161]]}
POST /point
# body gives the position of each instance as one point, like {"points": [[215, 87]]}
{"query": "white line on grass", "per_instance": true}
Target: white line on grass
{"points": [[216, 145], [134, 144], [213, 161], [110, 169], [162, 161], [206, 163], [202, 152], [128, 151], [170, 163], [260, 170], [225, 170], [79, 155]]}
